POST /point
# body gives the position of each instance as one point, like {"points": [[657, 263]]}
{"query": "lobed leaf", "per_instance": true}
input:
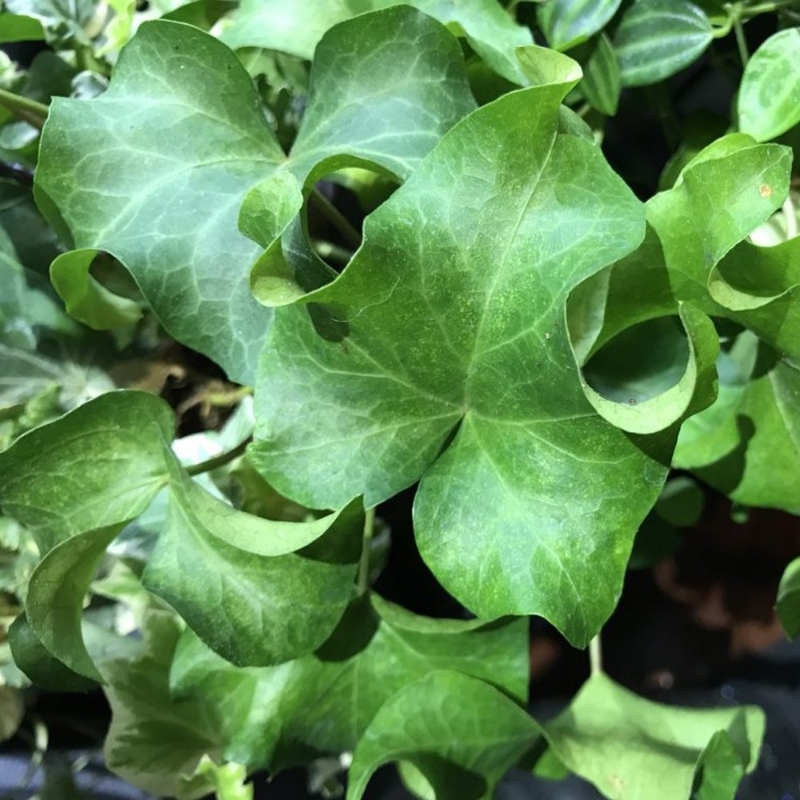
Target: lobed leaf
{"points": [[476, 253], [297, 28], [264, 577]]}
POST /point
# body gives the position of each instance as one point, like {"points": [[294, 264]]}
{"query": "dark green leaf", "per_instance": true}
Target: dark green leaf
{"points": [[658, 38], [788, 604], [769, 96], [566, 23]]}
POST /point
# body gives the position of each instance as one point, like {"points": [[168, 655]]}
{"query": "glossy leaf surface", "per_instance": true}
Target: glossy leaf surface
{"points": [[657, 38], [566, 23]]}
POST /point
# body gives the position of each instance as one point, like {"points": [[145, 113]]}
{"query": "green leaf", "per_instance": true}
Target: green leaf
{"points": [[656, 39], [769, 96], [566, 23], [297, 28], [155, 740], [278, 589], [625, 745], [385, 87], [322, 703], [476, 254], [12, 710], [788, 603], [459, 733], [62, 22], [748, 443], [601, 77], [85, 297], [20, 28]]}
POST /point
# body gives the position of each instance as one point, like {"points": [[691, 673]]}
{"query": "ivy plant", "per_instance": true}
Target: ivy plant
{"points": [[513, 331]]}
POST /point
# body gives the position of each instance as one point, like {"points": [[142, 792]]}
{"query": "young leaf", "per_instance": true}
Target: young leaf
{"points": [[476, 255], [657, 39], [625, 745], [297, 28], [566, 23], [322, 703], [788, 604], [459, 733], [769, 96], [263, 577]]}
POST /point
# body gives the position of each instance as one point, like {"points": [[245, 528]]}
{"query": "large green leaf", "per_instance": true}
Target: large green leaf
{"points": [[626, 745], [442, 353], [769, 96], [256, 590], [161, 191], [459, 733], [566, 23], [296, 28], [657, 38], [322, 703]]}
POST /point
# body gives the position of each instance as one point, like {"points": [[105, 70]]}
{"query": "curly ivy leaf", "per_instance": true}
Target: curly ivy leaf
{"points": [[296, 28], [162, 191], [768, 102], [625, 744], [788, 603], [322, 703], [656, 39], [264, 577], [566, 23], [748, 443], [475, 255], [156, 741], [460, 734]]}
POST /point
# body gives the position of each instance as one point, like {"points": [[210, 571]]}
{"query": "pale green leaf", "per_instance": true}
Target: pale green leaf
{"points": [[768, 103], [296, 28], [625, 745], [566, 23], [658, 38], [460, 734]]}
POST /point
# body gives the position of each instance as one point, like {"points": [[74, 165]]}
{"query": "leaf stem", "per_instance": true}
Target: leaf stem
{"points": [[30, 111], [741, 40], [362, 583], [596, 655], [221, 460], [351, 236]]}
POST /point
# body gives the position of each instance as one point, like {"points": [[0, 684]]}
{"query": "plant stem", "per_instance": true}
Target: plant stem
{"points": [[741, 40], [351, 236], [221, 460], [328, 250], [791, 217], [24, 108], [363, 567], [596, 655]]}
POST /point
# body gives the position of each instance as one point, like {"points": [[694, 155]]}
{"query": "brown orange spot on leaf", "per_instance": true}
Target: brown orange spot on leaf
{"points": [[764, 190]]}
